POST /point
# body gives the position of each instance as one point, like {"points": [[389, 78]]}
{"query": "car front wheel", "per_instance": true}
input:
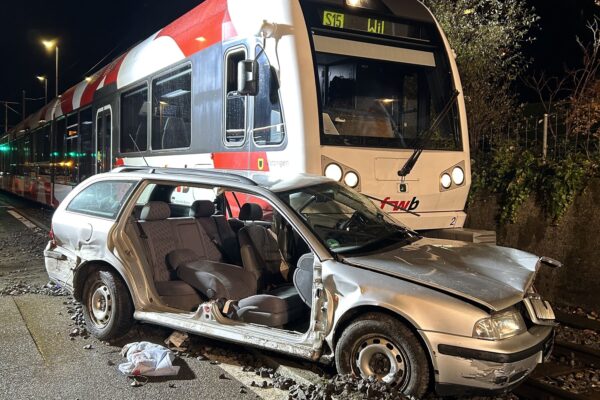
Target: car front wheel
{"points": [[107, 307], [382, 346]]}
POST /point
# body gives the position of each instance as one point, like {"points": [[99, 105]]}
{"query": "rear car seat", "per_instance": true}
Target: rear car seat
{"points": [[183, 256], [157, 235], [218, 229]]}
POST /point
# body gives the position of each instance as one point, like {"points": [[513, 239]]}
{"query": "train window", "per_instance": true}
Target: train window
{"points": [[72, 126], [134, 120], [101, 199], [268, 120], [59, 138], [172, 110], [71, 149], [42, 144], [235, 105], [86, 152]]}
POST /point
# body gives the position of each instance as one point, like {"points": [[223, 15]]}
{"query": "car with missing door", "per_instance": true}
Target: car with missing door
{"points": [[300, 265]]}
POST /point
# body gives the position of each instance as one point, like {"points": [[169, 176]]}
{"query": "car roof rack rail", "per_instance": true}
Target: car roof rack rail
{"points": [[208, 173], [133, 169]]}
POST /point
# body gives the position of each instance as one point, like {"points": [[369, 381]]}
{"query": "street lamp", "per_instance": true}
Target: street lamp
{"points": [[45, 81], [49, 45]]}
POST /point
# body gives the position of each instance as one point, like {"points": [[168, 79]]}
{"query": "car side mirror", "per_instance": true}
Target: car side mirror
{"points": [[248, 77]]}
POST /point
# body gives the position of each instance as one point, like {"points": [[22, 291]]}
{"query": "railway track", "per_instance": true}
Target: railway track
{"points": [[35, 213], [580, 358]]}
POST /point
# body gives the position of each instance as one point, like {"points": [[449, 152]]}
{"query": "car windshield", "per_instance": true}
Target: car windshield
{"points": [[345, 220]]}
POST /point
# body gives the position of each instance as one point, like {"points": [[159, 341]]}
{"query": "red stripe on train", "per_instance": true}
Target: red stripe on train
{"points": [[248, 161], [205, 25]]}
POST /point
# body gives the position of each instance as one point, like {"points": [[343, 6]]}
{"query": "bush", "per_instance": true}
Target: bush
{"points": [[515, 175]]}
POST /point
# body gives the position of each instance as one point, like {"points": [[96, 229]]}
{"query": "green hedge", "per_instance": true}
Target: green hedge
{"points": [[516, 174]]}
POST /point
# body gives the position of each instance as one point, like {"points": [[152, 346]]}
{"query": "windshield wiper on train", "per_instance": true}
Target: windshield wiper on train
{"points": [[425, 136]]}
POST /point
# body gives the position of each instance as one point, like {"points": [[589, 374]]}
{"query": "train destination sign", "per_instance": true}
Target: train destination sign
{"points": [[336, 19]]}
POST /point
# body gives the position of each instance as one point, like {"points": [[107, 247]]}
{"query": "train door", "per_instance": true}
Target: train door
{"points": [[103, 137], [235, 118], [267, 131]]}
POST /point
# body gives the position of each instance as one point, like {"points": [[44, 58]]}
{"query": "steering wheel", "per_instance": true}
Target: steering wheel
{"points": [[345, 225]]}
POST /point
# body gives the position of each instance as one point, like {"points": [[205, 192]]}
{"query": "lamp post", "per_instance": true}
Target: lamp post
{"points": [[45, 81], [49, 45]]}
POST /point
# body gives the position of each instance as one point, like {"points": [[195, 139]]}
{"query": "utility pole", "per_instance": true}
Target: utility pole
{"points": [[545, 138], [6, 108]]}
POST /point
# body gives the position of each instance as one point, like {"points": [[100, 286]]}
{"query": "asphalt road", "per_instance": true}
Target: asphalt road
{"points": [[38, 359]]}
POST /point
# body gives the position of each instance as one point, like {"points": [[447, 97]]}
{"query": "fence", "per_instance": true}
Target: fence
{"points": [[550, 136]]}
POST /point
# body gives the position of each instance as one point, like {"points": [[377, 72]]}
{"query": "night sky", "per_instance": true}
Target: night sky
{"points": [[90, 31]]}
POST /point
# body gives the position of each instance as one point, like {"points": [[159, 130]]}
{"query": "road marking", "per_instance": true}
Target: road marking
{"points": [[37, 346], [22, 219], [234, 369]]}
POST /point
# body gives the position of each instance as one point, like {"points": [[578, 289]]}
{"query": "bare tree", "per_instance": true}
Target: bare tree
{"points": [[577, 93]]}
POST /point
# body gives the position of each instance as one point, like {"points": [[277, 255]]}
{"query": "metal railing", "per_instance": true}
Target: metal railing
{"points": [[549, 136]]}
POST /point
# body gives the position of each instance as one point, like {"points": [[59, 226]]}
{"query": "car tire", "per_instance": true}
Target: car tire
{"points": [[368, 345], [107, 307]]}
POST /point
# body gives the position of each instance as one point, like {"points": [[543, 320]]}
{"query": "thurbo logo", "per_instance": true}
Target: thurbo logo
{"points": [[409, 205]]}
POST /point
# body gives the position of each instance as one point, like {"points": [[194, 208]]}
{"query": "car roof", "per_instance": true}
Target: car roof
{"points": [[272, 181]]}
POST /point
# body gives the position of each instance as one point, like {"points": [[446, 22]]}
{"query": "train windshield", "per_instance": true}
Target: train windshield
{"points": [[370, 102]]}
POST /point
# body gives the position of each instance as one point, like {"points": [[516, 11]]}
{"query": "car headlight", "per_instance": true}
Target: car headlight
{"points": [[351, 179], [458, 176], [334, 171], [446, 181], [500, 325]]}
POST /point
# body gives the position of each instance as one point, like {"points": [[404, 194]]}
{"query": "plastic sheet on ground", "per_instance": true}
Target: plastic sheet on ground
{"points": [[148, 359]]}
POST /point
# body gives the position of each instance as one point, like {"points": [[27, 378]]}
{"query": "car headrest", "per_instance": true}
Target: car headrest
{"points": [[251, 212], [202, 209], [155, 211]]}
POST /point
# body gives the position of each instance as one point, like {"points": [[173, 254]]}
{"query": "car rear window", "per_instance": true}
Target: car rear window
{"points": [[101, 199]]}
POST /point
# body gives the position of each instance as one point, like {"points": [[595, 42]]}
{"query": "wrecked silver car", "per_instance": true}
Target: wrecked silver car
{"points": [[302, 266]]}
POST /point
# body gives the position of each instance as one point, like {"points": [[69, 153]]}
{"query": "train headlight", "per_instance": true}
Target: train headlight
{"points": [[446, 181], [334, 171], [458, 176], [351, 179]]}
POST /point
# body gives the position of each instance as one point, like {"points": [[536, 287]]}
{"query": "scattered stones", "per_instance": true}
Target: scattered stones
{"points": [[21, 288], [88, 347], [224, 376], [578, 382], [586, 337], [172, 385]]}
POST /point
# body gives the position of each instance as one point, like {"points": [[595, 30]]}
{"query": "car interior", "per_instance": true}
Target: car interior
{"points": [[200, 247]]}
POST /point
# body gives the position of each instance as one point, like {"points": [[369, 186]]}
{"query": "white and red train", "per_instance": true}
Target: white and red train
{"points": [[344, 88]]}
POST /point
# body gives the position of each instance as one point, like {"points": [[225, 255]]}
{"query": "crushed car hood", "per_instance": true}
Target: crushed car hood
{"points": [[493, 276]]}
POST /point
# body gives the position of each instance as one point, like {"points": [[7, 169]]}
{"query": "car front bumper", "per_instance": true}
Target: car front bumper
{"points": [[468, 366]]}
